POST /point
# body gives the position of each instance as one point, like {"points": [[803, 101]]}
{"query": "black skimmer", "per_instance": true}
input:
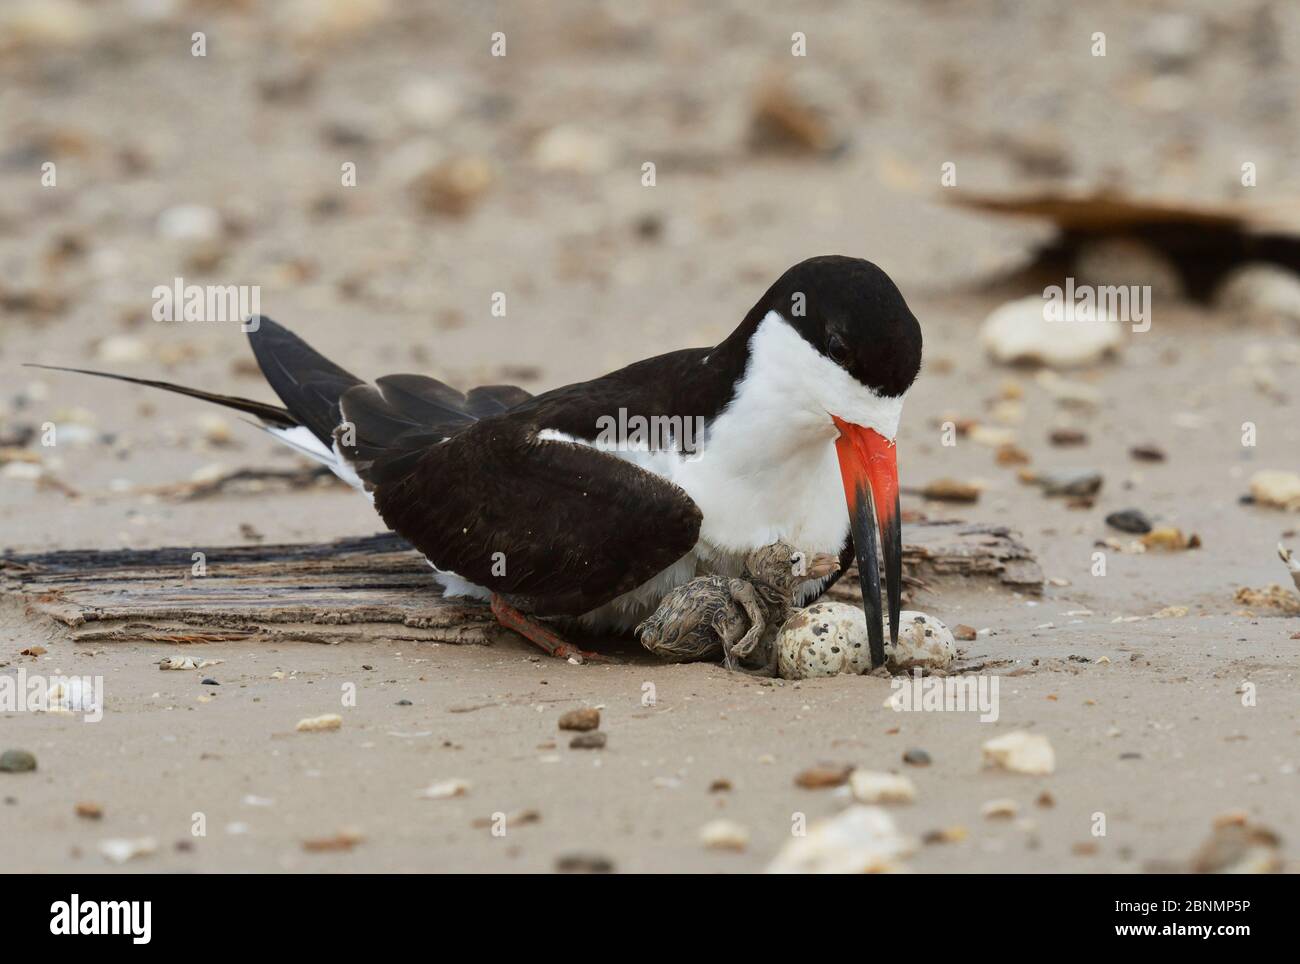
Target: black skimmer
{"points": [[532, 503]]}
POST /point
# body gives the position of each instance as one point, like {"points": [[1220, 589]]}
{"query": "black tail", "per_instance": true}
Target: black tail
{"points": [[270, 414], [309, 384], [392, 422]]}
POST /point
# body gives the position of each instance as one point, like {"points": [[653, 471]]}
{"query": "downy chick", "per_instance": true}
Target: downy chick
{"points": [[736, 618]]}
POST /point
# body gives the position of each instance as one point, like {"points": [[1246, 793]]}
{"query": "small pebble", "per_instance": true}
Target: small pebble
{"points": [[1147, 453], [455, 186], [916, 757], [1170, 539], [580, 863], [426, 103], [1063, 437], [119, 851], [1011, 455], [963, 632], [318, 724], [1002, 809], [870, 787], [17, 761], [89, 811], [945, 835], [121, 350], [1020, 752], [1275, 488], [858, 840], [446, 789], [1238, 846], [215, 429], [822, 775], [1077, 482], [189, 223], [594, 740], [1129, 520], [583, 719], [345, 839], [950, 490], [209, 681], [724, 835]]}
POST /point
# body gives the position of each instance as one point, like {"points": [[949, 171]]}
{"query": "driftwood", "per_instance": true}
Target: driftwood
{"points": [[938, 552], [1203, 240], [371, 588], [376, 587]]}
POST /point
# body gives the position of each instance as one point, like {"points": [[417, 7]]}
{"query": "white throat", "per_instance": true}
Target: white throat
{"points": [[768, 469], [783, 366]]}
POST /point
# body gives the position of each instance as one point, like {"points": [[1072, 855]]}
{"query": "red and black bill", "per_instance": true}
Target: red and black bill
{"points": [[869, 468]]}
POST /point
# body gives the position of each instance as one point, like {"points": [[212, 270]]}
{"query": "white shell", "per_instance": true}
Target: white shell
{"points": [[1278, 489], [1018, 332], [724, 835], [1001, 809], [869, 786], [317, 724], [446, 789], [831, 637], [1021, 752], [861, 840], [120, 850]]}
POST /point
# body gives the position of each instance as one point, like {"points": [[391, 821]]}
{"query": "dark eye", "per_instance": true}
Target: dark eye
{"points": [[837, 349]]}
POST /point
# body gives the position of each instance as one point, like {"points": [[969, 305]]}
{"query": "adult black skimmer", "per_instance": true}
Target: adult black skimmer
{"points": [[534, 503]]}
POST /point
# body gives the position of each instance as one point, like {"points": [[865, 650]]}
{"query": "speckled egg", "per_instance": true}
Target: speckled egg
{"points": [[829, 638], [825, 639], [923, 643]]}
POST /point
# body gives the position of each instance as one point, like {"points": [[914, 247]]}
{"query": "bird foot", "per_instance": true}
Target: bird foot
{"points": [[540, 636]]}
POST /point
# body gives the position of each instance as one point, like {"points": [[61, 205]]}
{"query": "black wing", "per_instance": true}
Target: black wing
{"points": [[559, 526], [308, 383]]}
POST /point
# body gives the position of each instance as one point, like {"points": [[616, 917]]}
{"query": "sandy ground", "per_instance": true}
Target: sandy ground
{"points": [[1155, 737]]}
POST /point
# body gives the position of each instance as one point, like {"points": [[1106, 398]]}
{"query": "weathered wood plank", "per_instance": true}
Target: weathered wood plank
{"points": [[937, 553], [375, 587]]}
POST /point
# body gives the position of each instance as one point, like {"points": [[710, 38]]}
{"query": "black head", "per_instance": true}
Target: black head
{"points": [[851, 312]]}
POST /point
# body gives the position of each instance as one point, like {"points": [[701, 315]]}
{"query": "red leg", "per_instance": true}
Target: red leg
{"points": [[536, 633]]}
